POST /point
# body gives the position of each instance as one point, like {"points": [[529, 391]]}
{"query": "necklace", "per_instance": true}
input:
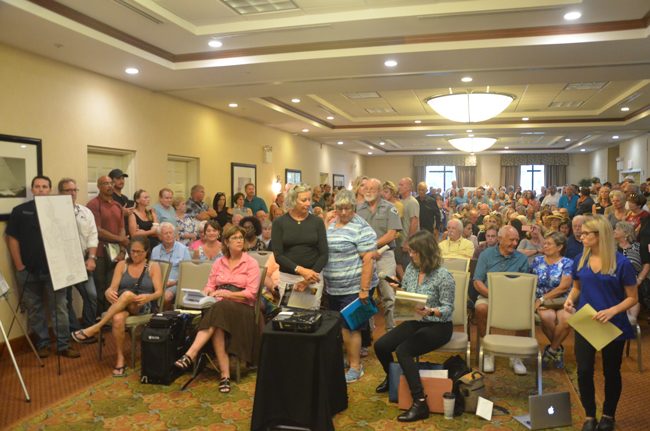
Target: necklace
{"points": [[298, 220]]}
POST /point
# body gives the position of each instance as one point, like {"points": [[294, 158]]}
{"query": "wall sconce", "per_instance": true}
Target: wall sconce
{"points": [[276, 187]]}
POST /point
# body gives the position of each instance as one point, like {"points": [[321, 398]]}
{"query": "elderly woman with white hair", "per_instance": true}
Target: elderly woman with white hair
{"points": [[349, 272], [172, 251], [299, 245], [625, 237]]}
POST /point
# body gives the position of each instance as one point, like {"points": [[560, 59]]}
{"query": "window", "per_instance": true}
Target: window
{"points": [[440, 177], [532, 177]]}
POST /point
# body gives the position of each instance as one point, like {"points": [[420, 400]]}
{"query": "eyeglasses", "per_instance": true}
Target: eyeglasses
{"points": [[236, 238]]}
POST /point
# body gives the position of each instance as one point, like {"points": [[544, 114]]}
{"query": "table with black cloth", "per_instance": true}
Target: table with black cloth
{"points": [[300, 379]]}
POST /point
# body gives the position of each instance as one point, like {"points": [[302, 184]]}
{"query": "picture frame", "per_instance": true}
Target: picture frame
{"points": [[240, 175], [20, 161], [338, 180], [292, 176]]}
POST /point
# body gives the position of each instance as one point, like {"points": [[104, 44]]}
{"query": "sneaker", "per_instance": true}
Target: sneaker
{"points": [[69, 353], [488, 363], [548, 358], [559, 358], [518, 366], [353, 374]]}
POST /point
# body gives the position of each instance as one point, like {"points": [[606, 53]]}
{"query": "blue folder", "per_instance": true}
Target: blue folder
{"points": [[357, 313]]}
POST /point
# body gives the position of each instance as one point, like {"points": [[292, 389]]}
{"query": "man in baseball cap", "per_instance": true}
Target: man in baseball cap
{"points": [[117, 175]]}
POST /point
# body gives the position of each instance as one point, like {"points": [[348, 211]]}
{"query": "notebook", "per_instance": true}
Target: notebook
{"points": [[547, 411]]}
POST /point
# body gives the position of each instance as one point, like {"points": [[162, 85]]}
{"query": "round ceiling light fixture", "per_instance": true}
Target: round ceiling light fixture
{"points": [[472, 145], [470, 107]]}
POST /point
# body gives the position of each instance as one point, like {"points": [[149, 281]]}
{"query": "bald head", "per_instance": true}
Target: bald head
{"points": [[405, 187], [508, 240]]}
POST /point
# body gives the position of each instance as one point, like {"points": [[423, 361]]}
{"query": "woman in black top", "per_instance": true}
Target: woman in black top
{"points": [[224, 214], [143, 221], [299, 243]]}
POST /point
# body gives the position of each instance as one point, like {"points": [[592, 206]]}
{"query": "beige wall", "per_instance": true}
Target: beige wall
{"points": [[70, 109], [579, 168], [598, 163], [635, 154], [389, 168], [488, 170]]}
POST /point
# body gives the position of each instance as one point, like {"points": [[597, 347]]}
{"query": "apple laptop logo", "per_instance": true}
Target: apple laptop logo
{"points": [[551, 410]]}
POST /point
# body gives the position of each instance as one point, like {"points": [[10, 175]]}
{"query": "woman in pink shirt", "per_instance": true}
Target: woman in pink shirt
{"points": [[230, 322]]}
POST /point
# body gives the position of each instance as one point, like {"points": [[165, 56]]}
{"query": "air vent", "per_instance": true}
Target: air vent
{"points": [[377, 111], [257, 7], [133, 8], [597, 85], [363, 95], [570, 104]]}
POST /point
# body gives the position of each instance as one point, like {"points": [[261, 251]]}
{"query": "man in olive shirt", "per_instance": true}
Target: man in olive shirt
{"points": [[410, 222], [382, 216]]}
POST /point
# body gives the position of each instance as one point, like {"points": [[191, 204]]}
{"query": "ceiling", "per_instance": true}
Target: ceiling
{"points": [[569, 78]]}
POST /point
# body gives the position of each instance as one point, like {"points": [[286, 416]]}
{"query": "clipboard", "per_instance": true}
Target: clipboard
{"points": [[598, 334]]}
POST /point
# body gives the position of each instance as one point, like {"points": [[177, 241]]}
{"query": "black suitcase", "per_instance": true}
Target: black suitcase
{"points": [[164, 339]]}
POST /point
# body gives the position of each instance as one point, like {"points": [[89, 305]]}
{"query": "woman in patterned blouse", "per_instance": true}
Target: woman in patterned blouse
{"points": [[413, 338], [554, 278], [625, 237]]}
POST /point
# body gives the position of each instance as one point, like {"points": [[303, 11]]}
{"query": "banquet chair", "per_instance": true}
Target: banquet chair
{"points": [[637, 335], [192, 274], [134, 322], [511, 306], [460, 341], [456, 264]]}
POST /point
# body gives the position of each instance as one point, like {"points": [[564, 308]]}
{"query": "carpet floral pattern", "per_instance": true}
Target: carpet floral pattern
{"points": [[125, 404]]}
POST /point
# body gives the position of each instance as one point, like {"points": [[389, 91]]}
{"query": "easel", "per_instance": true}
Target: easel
{"points": [[4, 294]]}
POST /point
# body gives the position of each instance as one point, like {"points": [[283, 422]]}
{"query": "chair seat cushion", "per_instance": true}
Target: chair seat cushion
{"points": [[510, 344], [458, 342]]}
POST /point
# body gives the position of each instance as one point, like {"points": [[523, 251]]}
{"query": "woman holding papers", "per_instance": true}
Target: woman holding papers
{"points": [[349, 272], [229, 324], [413, 338], [135, 287], [605, 280]]}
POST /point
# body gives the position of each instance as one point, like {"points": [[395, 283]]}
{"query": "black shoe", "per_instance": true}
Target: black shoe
{"points": [[382, 387], [418, 411], [590, 425], [606, 424]]}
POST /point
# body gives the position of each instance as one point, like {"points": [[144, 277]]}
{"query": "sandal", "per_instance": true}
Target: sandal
{"points": [[184, 363], [81, 337], [119, 371], [224, 385]]}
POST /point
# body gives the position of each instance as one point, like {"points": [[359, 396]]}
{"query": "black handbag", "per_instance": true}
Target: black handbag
{"points": [[230, 288]]}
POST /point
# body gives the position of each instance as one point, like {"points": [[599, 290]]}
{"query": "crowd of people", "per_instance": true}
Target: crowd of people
{"points": [[339, 245]]}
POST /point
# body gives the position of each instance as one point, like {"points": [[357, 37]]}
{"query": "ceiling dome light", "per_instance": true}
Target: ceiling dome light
{"points": [[131, 71], [340, 142], [382, 143], [625, 108], [214, 43], [525, 118], [233, 105], [438, 148], [418, 121], [470, 107], [506, 148], [390, 63], [582, 150], [472, 145], [295, 100], [330, 117], [615, 137], [567, 139], [370, 153], [572, 16], [466, 79], [305, 130]]}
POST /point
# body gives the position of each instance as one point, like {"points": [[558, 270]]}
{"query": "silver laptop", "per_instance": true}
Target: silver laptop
{"points": [[547, 411]]}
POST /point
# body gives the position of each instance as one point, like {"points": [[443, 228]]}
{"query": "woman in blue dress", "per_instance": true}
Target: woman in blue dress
{"points": [[554, 278], [606, 280]]}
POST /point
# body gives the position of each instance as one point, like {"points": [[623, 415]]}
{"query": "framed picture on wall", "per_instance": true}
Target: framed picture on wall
{"points": [[338, 180], [292, 176], [20, 161], [240, 175]]}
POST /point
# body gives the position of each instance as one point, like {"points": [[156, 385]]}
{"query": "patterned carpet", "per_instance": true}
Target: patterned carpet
{"points": [[125, 404]]}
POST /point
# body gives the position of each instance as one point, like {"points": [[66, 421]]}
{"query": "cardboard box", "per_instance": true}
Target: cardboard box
{"points": [[433, 389]]}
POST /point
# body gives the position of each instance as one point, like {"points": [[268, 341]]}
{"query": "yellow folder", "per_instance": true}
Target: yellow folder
{"points": [[598, 334]]}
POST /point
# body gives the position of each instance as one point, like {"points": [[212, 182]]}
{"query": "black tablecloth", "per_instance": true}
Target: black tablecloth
{"points": [[300, 379]]}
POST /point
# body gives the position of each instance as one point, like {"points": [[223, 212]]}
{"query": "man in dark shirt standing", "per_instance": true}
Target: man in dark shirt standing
{"points": [[429, 211], [25, 245], [574, 242]]}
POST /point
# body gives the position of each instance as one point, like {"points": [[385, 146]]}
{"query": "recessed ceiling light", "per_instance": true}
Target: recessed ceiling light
{"points": [[131, 71], [371, 147], [417, 121], [625, 108], [582, 150], [525, 118], [330, 117], [469, 130], [295, 100], [615, 137], [305, 130], [23, 146], [471, 135], [370, 153], [382, 143], [572, 16], [567, 139], [390, 63], [467, 79], [214, 43], [339, 143], [506, 148], [233, 105], [438, 148]]}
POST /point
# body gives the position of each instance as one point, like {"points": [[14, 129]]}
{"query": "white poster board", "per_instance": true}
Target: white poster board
{"points": [[61, 240]]}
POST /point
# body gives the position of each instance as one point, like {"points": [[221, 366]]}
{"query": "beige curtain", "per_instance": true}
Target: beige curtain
{"points": [[554, 175], [466, 176], [510, 175], [419, 175]]}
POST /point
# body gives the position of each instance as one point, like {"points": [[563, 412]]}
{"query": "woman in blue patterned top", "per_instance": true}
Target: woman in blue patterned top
{"points": [[349, 273], [416, 337], [554, 279]]}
